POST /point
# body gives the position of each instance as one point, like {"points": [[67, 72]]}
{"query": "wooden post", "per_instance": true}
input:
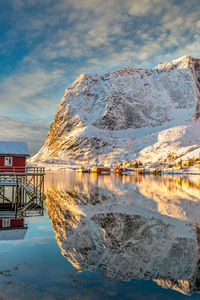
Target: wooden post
{"points": [[25, 191], [3, 194], [40, 188], [13, 196], [23, 197], [16, 198], [19, 198]]}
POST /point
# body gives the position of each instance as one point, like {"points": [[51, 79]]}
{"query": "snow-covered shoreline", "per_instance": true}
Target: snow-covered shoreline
{"points": [[192, 170]]}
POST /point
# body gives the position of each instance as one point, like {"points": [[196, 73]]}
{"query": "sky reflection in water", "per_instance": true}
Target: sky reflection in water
{"points": [[124, 228]]}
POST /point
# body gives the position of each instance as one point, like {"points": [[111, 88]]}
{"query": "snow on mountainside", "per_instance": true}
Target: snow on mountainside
{"points": [[127, 114]]}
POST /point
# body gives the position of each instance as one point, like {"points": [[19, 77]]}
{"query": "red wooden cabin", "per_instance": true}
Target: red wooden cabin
{"points": [[13, 157], [119, 170], [11, 222]]}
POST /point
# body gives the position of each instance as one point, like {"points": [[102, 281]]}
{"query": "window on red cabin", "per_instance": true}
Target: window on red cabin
{"points": [[6, 223], [8, 161]]}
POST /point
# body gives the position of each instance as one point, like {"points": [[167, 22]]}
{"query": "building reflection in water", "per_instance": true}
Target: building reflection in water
{"points": [[142, 227]]}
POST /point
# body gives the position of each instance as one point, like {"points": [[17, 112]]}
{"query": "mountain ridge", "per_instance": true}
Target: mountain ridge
{"points": [[113, 118]]}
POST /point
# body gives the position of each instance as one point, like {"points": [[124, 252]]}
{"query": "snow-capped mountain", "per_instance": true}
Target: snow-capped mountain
{"points": [[127, 114]]}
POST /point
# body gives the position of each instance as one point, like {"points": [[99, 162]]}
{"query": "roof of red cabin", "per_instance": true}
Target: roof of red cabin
{"points": [[14, 148]]}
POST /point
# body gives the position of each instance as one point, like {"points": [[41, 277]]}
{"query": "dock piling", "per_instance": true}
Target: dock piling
{"points": [[23, 192]]}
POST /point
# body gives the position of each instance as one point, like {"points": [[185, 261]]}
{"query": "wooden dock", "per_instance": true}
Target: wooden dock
{"points": [[22, 193]]}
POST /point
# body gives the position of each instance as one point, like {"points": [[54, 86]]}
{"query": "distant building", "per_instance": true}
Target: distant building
{"points": [[186, 163], [13, 157]]}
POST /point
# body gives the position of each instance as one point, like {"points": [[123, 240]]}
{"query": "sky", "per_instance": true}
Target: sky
{"points": [[46, 44]]}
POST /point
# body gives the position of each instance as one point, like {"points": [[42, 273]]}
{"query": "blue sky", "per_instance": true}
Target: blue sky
{"points": [[46, 44]]}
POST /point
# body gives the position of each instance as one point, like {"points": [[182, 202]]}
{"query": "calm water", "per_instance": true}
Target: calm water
{"points": [[108, 237]]}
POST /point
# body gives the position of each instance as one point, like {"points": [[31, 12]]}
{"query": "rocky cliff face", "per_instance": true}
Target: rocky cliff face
{"points": [[129, 229], [191, 63], [113, 117]]}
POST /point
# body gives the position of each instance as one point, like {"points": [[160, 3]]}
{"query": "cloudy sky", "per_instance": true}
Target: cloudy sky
{"points": [[46, 44]]}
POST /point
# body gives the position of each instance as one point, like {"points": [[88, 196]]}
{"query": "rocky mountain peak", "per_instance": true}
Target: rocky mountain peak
{"points": [[184, 62], [112, 115]]}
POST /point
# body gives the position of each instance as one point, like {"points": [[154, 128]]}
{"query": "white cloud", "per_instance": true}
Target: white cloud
{"points": [[32, 131], [23, 92], [99, 24], [198, 25], [142, 7]]}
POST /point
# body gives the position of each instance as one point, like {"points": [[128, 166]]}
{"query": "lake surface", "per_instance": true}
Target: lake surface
{"points": [[108, 237]]}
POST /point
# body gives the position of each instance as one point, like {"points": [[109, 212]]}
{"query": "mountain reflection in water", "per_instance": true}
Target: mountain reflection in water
{"points": [[142, 227]]}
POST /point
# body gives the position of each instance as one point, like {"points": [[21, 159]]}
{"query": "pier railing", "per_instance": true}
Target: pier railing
{"points": [[15, 170], [35, 170]]}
